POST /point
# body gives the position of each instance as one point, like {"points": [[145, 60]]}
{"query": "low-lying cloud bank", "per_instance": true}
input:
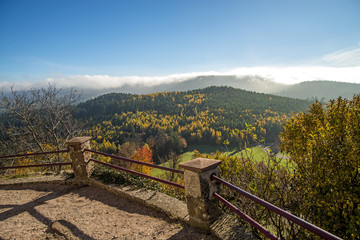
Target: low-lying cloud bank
{"points": [[285, 75]]}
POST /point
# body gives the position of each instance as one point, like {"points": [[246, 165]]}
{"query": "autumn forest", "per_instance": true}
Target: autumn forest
{"points": [[169, 121]]}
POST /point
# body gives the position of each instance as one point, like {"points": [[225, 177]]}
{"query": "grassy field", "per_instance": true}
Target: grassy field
{"points": [[257, 153]]}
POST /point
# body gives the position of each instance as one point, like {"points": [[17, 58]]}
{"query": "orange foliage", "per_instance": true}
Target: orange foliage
{"points": [[143, 154]]}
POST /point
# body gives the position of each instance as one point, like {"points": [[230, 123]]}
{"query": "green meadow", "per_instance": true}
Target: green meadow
{"points": [[255, 153]]}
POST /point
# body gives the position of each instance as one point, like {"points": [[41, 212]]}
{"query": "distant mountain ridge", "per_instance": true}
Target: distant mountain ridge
{"points": [[320, 89], [249, 83], [325, 90]]}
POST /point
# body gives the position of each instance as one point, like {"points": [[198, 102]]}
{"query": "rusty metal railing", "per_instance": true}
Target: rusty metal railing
{"points": [[140, 163], [310, 227], [139, 174], [137, 162], [97, 161], [34, 154], [248, 219], [35, 165]]}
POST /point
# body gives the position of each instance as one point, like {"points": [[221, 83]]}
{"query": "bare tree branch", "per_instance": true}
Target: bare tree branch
{"points": [[37, 119]]}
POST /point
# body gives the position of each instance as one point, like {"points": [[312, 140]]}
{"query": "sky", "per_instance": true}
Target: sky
{"points": [[104, 43]]}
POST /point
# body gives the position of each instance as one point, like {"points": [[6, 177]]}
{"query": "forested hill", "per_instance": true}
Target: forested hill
{"points": [[324, 90], [231, 101], [169, 121]]}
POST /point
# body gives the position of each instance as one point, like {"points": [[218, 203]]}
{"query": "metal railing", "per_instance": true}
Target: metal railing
{"points": [[37, 165], [35, 154], [312, 228], [97, 161], [139, 174], [136, 162], [140, 163]]}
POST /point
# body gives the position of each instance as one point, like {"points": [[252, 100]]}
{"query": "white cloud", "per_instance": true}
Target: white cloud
{"points": [[291, 75], [106, 81], [343, 58], [286, 75], [6, 86], [341, 66]]}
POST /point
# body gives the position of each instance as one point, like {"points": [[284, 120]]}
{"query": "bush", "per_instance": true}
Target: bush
{"points": [[108, 175], [324, 144]]}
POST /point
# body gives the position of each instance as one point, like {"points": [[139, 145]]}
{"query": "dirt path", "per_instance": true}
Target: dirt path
{"points": [[36, 211]]}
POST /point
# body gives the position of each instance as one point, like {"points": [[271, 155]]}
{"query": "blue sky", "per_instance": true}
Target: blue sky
{"points": [[112, 42]]}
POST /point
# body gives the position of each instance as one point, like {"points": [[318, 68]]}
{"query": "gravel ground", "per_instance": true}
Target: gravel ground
{"points": [[49, 211]]}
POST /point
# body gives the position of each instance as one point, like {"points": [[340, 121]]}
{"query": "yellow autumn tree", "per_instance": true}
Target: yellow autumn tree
{"points": [[324, 145]]}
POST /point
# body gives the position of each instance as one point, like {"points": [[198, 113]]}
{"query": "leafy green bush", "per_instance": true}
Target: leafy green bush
{"points": [[270, 180], [324, 144]]}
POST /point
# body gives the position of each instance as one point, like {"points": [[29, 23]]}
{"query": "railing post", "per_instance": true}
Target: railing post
{"points": [[202, 206], [80, 159]]}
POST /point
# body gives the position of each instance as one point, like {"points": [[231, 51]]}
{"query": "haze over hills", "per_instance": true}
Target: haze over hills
{"points": [[322, 90], [325, 90], [249, 83]]}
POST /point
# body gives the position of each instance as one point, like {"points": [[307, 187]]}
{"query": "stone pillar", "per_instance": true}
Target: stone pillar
{"points": [[202, 206], [80, 159]]}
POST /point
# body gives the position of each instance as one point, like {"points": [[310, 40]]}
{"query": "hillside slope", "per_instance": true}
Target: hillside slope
{"points": [[205, 116], [325, 90], [229, 99]]}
